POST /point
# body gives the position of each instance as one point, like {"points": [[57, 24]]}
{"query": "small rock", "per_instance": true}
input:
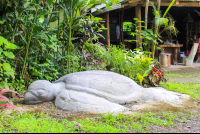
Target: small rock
{"points": [[188, 126], [77, 126], [21, 96]]}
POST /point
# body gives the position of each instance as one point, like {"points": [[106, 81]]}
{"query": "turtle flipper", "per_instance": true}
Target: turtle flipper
{"points": [[159, 94], [81, 101]]}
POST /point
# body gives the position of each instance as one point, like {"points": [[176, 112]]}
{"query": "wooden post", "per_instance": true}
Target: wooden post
{"points": [[146, 13], [108, 29], [158, 5], [138, 15], [121, 29], [146, 20]]}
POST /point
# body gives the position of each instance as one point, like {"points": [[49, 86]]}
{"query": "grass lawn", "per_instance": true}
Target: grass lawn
{"points": [[192, 89], [42, 123], [167, 75]]}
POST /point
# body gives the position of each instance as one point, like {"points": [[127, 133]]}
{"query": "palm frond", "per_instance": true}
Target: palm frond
{"points": [[170, 29], [168, 8]]}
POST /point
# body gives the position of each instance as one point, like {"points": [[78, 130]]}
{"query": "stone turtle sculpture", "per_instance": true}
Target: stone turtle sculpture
{"points": [[94, 91]]}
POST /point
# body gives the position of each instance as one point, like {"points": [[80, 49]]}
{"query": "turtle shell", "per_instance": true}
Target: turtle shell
{"points": [[109, 85]]}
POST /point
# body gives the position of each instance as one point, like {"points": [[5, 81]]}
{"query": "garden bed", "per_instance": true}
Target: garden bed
{"points": [[185, 126]]}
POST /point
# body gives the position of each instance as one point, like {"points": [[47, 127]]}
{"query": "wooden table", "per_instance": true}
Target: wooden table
{"points": [[173, 49]]}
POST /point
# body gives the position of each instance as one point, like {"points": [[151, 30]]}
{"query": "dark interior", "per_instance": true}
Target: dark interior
{"points": [[178, 14]]}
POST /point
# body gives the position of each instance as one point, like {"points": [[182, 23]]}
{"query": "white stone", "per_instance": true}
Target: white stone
{"points": [[96, 92]]}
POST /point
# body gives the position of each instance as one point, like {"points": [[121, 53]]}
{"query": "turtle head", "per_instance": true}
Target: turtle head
{"points": [[39, 91]]}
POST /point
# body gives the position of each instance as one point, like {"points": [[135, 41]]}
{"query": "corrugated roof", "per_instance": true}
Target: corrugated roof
{"points": [[189, 0], [104, 8]]}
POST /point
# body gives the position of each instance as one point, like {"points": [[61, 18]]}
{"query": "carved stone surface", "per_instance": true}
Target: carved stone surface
{"points": [[95, 91]]}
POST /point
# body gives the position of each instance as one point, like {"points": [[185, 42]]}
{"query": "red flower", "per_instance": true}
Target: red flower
{"points": [[159, 73], [99, 62], [151, 72], [154, 69]]}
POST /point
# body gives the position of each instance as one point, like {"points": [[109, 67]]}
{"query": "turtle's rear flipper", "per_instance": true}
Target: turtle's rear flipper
{"points": [[81, 101]]}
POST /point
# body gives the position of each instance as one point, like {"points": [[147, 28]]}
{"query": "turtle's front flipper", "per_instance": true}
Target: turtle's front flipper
{"points": [[80, 101]]}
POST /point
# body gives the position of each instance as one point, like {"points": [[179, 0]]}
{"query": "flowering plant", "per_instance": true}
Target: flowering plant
{"points": [[154, 77]]}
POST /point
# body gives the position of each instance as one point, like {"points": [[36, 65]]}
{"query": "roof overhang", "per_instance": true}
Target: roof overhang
{"points": [[104, 9], [178, 3]]}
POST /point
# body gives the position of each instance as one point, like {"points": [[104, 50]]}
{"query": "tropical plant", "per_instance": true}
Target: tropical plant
{"points": [[133, 64], [7, 102], [161, 24], [10, 12], [154, 77], [46, 40], [6, 71], [75, 12]]}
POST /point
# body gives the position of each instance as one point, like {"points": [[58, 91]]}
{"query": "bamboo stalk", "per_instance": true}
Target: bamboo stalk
{"points": [[58, 26], [27, 48], [69, 40]]}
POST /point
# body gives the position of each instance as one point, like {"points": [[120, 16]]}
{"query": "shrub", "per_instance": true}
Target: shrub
{"points": [[133, 64], [5, 68]]}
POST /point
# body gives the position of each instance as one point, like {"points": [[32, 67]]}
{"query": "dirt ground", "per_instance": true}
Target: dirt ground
{"points": [[192, 126], [186, 71]]}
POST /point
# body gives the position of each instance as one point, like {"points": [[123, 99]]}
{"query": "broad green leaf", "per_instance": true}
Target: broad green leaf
{"points": [[10, 72], [53, 38], [45, 37], [1, 22], [6, 65], [154, 79], [1, 50], [3, 84], [26, 4], [3, 41], [11, 46], [46, 64], [145, 75], [9, 54]]}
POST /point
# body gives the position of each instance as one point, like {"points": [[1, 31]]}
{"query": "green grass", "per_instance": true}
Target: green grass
{"points": [[181, 75], [192, 89], [42, 123], [109, 123]]}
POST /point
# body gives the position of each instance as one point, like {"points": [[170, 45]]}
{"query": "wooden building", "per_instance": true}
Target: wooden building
{"points": [[186, 14]]}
